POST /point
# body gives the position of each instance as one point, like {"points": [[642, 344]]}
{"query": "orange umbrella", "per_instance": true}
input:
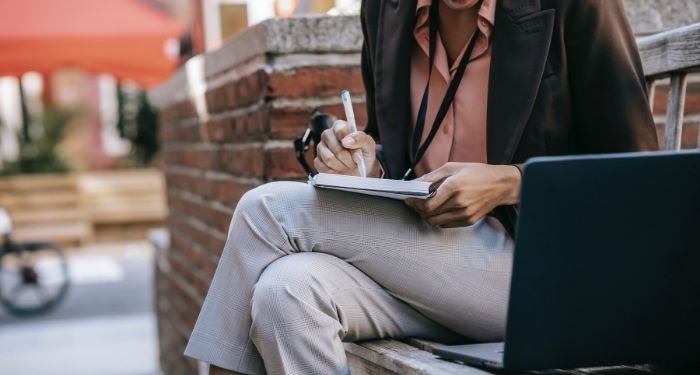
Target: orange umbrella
{"points": [[125, 38]]}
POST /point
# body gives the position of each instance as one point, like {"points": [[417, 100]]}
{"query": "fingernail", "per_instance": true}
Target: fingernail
{"points": [[348, 141]]}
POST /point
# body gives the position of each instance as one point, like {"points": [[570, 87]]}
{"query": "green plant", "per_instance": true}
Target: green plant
{"points": [[39, 152], [138, 123]]}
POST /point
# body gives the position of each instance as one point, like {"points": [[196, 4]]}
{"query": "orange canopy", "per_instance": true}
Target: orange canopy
{"points": [[125, 38]]}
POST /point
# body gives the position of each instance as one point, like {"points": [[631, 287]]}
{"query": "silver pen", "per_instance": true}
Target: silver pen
{"points": [[350, 115]]}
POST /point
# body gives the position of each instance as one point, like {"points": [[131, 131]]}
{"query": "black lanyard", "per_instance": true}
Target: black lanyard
{"points": [[418, 148]]}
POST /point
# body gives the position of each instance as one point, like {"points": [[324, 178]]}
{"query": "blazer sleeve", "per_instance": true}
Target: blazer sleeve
{"points": [[608, 90], [367, 78], [372, 128]]}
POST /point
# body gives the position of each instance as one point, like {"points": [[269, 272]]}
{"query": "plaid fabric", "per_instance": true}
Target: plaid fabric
{"points": [[305, 269]]}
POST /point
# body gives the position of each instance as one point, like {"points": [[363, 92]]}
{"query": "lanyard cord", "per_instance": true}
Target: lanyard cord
{"points": [[419, 149]]}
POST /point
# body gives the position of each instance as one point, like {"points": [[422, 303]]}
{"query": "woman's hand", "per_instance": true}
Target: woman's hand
{"points": [[468, 192], [336, 151]]}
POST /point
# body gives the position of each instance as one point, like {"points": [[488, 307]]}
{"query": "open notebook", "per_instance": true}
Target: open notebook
{"points": [[395, 189]]}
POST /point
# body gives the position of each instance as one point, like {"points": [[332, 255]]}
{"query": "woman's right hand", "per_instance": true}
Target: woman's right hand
{"points": [[336, 153]]}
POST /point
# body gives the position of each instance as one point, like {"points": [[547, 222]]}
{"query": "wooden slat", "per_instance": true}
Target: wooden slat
{"points": [[43, 182], [123, 197], [40, 199], [47, 214], [123, 217], [100, 182], [676, 107], [395, 357], [651, 88], [671, 51], [60, 232]]}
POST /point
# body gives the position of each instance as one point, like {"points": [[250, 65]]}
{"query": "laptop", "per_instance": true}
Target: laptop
{"points": [[606, 269]]}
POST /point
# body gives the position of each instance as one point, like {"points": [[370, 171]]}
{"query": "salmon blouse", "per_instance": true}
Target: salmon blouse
{"points": [[462, 137]]}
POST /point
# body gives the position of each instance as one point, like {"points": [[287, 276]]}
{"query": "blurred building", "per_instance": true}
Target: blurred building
{"points": [[217, 20], [92, 141], [76, 81]]}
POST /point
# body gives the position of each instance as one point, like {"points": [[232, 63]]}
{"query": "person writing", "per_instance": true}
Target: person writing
{"points": [[459, 92]]}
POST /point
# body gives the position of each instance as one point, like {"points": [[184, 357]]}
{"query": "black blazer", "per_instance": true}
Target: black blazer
{"points": [[566, 78]]}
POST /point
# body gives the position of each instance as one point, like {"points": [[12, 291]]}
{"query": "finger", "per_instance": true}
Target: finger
{"points": [[444, 193], [457, 224], [449, 219], [322, 167], [333, 144], [439, 174], [450, 205], [361, 141], [329, 158], [341, 129], [411, 202]]}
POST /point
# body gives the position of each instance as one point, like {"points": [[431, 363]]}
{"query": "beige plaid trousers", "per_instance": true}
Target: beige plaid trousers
{"points": [[305, 269]]}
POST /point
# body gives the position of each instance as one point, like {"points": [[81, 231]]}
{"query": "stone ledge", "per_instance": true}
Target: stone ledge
{"points": [[332, 40], [654, 16], [309, 34]]}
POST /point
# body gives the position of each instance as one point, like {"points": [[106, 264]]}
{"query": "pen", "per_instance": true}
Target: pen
{"points": [[350, 115]]}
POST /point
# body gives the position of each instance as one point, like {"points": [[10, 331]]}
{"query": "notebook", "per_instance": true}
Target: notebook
{"points": [[394, 189]]}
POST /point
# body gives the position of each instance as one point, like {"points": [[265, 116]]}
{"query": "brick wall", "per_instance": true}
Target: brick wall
{"points": [[227, 122]]}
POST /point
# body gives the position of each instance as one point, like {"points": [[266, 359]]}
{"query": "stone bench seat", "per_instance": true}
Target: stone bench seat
{"points": [[414, 357]]}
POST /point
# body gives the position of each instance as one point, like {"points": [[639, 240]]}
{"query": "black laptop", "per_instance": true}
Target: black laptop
{"points": [[606, 269]]}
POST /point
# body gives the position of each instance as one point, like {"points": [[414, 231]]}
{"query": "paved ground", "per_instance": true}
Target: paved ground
{"points": [[104, 326]]}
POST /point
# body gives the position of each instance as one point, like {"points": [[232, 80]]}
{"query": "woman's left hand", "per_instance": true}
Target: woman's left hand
{"points": [[468, 192]]}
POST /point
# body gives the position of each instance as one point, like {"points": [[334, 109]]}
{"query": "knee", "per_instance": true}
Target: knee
{"points": [[261, 202], [286, 291], [255, 199]]}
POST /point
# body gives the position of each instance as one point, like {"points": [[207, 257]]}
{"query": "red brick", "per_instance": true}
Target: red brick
{"points": [[237, 94], [192, 156], [283, 165], [218, 130], [247, 161], [287, 123], [359, 109], [227, 192], [692, 100], [690, 135], [315, 81], [248, 127]]}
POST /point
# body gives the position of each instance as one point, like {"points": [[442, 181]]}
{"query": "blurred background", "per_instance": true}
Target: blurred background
{"points": [[129, 129], [80, 168]]}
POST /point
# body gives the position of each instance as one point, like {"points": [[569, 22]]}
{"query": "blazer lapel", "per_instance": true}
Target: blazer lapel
{"points": [[522, 37], [392, 80]]}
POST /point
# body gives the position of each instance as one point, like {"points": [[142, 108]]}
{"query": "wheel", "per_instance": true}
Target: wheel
{"points": [[33, 278]]}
